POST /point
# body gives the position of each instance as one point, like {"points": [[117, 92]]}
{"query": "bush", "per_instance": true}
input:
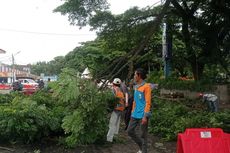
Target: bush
{"points": [[155, 76], [86, 121], [43, 98], [7, 98], [174, 83], [24, 120], [171, 118]]}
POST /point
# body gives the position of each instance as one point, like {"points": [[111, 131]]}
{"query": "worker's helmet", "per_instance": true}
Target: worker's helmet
{"points": [[117, 81]]}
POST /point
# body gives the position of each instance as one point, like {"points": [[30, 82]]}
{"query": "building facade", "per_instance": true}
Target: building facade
{"points": [[8, 74]]}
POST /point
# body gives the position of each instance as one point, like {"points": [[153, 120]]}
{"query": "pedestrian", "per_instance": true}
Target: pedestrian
{"points": [[114, 123], [124, 89], [141, 111], [20, 85], [211, 100], [128, 108], [46, 84], [17, 85], [41, 84]]}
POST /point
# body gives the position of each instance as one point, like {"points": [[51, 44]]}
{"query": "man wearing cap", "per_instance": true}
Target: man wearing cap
{"points": [[114, 122]]}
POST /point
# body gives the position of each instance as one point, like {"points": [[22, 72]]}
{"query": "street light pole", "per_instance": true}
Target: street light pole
{"points": [[13, 67]]}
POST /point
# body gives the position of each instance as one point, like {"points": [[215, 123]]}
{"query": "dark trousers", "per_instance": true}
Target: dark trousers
{"points": [[139, 138], [213, 105], [128, 111]]}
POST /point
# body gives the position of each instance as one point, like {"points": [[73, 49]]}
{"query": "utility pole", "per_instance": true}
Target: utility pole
{"points": [[166, 47], [13, 67]]}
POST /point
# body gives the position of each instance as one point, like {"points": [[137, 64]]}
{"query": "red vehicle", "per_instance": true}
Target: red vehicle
{"points": [[29, 86]]}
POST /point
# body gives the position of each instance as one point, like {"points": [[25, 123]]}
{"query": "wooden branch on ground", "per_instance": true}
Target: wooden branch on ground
{"points": [[8, 149], [170, 99]]}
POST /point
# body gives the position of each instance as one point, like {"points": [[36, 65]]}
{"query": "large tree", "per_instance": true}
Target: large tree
{"points": [[200, 27], [52, 67], [205, 32], [129, 33], [80, 12]]}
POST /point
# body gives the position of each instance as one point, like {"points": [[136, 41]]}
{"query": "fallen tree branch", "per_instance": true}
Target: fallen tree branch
{"points": [[170, 99], [144, 43], [8, 149]]}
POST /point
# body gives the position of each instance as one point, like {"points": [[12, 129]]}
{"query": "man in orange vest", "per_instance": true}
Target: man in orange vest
{"points": [[115, 118]]}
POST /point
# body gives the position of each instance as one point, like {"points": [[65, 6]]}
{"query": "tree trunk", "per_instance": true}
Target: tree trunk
{"points": [[197, 69], [131, 70]]}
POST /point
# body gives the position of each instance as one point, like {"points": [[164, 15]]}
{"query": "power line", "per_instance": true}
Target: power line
{"points": [[5, 57], [9, 60], [44, 33]]}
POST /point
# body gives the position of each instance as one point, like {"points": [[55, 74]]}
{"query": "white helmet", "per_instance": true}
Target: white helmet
{"points": [[117, 81]]}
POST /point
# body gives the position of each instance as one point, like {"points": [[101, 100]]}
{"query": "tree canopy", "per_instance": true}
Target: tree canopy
{"points": [[199, 30]]}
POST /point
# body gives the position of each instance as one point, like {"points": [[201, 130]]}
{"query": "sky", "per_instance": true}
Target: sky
{"points": [[31, 32]]}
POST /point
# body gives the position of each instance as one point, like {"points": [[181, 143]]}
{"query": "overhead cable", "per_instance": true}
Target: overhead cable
{"points": [[45, 33]]}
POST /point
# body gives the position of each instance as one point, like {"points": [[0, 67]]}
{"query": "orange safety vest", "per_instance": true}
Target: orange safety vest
{"points": [[118, 93]]}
